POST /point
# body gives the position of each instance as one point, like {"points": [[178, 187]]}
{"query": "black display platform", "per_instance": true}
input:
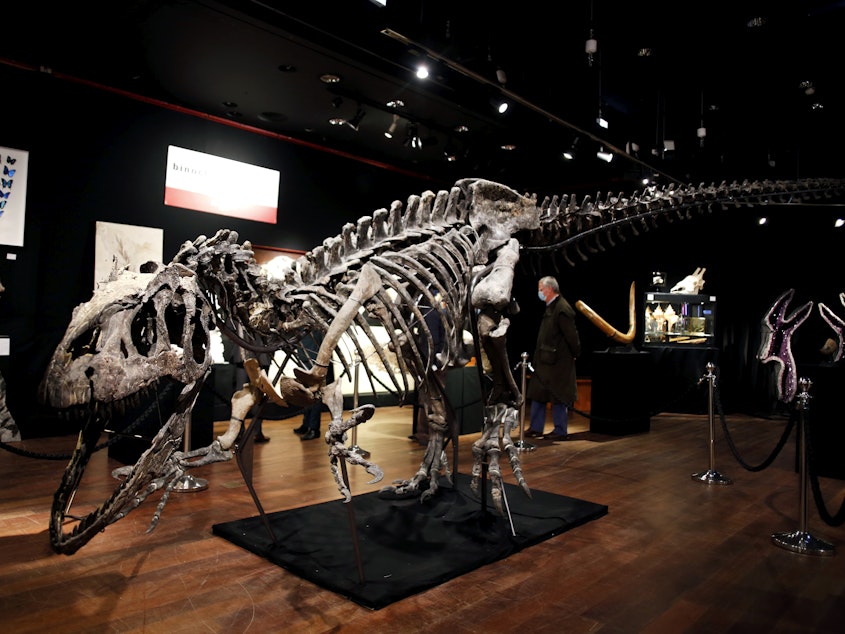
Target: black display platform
{"points": [[621, 398], [405, 546]]}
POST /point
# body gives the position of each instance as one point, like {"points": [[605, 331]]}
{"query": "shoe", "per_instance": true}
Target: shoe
{"points": [[259, 437], [300, 430], [534, 434], [555, 437], [311, 434]]}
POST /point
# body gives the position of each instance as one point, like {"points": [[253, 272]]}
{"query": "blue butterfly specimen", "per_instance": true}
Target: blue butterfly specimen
{"points": [[4, 194], [2, 204], [7, 183], [10, 160], [8, 172]]}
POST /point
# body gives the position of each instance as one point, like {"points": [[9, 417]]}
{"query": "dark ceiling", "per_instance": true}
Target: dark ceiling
{"points": [[762, 79]]}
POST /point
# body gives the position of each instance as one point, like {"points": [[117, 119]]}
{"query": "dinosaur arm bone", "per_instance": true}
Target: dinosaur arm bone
{"points": [[605, 327], [367, 286]]}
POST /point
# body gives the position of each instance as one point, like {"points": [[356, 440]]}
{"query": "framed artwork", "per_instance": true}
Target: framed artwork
{"points": [[125, 246], [15, 164]]}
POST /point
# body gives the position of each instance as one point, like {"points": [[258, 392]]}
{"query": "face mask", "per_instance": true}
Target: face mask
{"points": [[541, 296]]}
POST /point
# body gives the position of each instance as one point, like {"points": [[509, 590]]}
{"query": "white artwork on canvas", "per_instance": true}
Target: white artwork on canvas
{"points": [[125, 246]]}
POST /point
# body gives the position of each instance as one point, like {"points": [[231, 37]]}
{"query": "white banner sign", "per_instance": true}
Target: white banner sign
{"points": [[216, 185]]}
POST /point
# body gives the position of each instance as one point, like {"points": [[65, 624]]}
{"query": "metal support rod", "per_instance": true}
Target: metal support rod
{"points": [[356, 546], [801, 541], [354, 447], [711, 476], [521, 444], [188, 483]]}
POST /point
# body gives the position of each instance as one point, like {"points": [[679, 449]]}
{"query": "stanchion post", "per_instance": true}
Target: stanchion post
{"points": [[711, 476], [521, 444], [801, 541]]}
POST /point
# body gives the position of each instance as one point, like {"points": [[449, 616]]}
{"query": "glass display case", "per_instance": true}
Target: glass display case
{"points": [[677, 319]]}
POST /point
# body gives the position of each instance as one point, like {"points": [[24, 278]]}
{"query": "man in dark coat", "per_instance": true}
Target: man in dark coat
{"points": [[554, 379]]}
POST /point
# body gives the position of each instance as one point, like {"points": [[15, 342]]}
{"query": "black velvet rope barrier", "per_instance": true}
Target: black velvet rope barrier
{"points": [[831, 520]]}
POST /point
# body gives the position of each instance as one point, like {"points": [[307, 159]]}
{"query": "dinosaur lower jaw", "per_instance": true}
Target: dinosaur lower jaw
{"points": [[131, 489]]}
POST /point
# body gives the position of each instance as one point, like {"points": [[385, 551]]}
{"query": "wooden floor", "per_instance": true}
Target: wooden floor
{"points": [[672, 554]]}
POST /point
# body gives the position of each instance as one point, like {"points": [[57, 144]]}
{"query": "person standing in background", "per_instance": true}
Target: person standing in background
{"points": [[554, 379], [309, 429]]}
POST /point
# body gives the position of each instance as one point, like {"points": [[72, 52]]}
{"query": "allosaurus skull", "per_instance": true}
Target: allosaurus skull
{"points": [[137, 328]]}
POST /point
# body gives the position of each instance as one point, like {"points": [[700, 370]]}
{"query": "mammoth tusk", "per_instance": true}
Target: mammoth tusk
{"points": [[605, 327]]}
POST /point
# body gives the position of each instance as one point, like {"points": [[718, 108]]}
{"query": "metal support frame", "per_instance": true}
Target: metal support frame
{"points": [[354, 446], [188, 483]]}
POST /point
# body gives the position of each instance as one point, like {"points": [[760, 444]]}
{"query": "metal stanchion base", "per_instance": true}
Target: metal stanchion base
{"points": [[361, 452], [521, 445], [711, 477], [189, 484], [804, 543]]}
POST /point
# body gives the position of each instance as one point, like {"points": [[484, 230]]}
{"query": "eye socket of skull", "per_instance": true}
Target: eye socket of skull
{"points": [[86, 343], [144, 328]]}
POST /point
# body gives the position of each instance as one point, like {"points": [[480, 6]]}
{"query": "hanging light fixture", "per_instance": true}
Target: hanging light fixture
{"points": [[412, 136], [392, 129], [355, 121], [499, 105], [607, 157], [591, 46], [572, 152]]}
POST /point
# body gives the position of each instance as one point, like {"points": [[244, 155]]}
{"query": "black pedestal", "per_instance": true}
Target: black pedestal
{"points": [[621, 392]]}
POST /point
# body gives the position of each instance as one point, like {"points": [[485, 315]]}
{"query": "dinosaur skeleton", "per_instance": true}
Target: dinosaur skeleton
{"points": [[460, 246]]}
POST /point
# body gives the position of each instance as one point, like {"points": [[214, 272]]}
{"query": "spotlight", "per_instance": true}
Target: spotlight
{"points": [[412, 137], [422, 71], [762, 220], [839, 222], [604, 156], [355, 121], [392, 129], [572, 152], [500, 105]]}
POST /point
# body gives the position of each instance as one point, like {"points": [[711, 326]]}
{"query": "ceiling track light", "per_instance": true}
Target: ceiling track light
{"points": [[572, 152], [499, 105], [392, 129], [355, 121], [412, 137], [607, 157]]}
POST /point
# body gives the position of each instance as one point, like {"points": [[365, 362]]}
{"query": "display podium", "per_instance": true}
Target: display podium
{"points": [[621, 392]]}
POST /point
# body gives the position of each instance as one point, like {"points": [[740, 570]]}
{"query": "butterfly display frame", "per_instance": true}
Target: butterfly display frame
{"points": [[13, 179]]}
